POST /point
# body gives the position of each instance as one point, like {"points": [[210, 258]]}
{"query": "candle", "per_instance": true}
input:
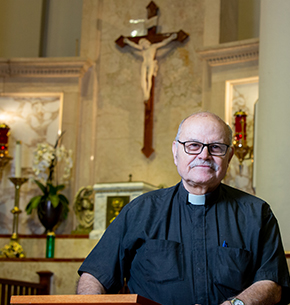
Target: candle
{"points": [[18, 159], [4, 136], [240, 125]]}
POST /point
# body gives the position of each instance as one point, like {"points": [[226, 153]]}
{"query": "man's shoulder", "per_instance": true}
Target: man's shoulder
{"points": [[239, 195], [157, 197], [245, 203], [158, 194]]}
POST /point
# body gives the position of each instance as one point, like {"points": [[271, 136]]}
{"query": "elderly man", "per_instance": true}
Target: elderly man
{"points": [[199, 242]]}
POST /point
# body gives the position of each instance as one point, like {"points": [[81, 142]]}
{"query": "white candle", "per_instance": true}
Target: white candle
{"points": [[18, 159]]}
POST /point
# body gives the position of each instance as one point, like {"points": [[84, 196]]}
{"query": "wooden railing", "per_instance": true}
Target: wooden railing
{"points": [[14, 287]]}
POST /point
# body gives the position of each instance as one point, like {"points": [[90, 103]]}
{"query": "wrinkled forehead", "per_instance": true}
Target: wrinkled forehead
{"points": [[205, 125]]}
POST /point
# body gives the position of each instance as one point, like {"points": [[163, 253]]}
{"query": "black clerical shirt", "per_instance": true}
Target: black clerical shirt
{"points": [[177, 253]]}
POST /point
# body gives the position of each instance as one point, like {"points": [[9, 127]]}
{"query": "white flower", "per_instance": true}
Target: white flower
{"points": [[45, 156]]}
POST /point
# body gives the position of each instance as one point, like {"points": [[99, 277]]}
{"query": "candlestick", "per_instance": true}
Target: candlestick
{"points": [[18, 159], [14, 249]]}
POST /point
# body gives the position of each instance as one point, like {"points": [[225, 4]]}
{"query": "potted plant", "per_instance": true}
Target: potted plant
{"points": [[51, 205]]}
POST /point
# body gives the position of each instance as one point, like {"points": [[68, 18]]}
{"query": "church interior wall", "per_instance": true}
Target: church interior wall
{"points": [[35, 28], [239, 20], [249, 19], [105, 108], [120, 111], [14, 17], [62, 28]]}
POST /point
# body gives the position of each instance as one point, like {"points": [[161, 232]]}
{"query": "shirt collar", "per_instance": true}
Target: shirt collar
{"points": [[196, 199], [210, 198]]}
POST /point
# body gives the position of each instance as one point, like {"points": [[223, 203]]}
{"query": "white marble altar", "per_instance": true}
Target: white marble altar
{"points": [[119, 189]]}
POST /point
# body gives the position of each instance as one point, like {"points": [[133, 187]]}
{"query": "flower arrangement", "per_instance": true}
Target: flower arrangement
{"points": [[45, 160]]}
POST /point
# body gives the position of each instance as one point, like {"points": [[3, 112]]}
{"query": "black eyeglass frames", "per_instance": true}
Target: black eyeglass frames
{"points": [[195, 148]]}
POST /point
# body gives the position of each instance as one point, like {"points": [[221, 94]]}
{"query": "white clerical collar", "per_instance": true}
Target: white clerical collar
{"points": [[196, 199]]}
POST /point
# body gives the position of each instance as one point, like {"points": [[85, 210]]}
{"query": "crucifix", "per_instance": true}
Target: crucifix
{"points": [[148, 45]]}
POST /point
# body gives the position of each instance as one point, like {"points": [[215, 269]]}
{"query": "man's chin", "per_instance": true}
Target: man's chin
{"points": [[202, 175], [198, 186]]}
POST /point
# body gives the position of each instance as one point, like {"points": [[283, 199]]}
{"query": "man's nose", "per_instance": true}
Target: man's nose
{"points": [[204, 153]]}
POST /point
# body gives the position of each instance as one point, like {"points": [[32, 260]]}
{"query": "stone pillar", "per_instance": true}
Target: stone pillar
{"points": [[88, 88], [273, 124]]}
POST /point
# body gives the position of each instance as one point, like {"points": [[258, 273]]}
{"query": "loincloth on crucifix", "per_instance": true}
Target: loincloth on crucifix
{"points": [[148, 46]]}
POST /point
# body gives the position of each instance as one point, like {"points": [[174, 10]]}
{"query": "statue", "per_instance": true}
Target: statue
{"points": [[149, 66], [84, 210]]}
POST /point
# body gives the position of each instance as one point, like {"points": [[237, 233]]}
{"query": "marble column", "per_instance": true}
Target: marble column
{"points": [[273, 123]]}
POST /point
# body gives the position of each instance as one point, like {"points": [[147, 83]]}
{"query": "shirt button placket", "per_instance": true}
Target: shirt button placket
{"points": [[199, 255]]}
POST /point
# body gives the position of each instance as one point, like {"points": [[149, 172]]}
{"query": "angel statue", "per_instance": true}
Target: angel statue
{"points": [[84, 210]]}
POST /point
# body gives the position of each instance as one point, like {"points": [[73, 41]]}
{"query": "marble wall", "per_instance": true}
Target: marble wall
{"points": [[103, 108], [33, 119], [119, 121]]}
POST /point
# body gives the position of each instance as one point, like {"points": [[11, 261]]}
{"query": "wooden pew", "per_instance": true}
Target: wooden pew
{"points": [[14, 287]]}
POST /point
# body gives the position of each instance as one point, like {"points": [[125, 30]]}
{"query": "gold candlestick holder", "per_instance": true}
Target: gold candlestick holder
{"points": [[14, 249]]}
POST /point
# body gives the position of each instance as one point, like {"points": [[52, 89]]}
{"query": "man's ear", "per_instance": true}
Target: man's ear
{"points": [[174, 152]]}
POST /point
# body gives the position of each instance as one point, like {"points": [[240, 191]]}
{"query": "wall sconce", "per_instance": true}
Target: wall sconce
{"points": [[240, 138], [4, 138]]}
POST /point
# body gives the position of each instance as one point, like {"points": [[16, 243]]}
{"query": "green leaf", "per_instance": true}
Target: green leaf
{"points": [[60, 187], [55, 189], [63, 199], [54, 200], [41, 186], [52, 189], [33, 204]]}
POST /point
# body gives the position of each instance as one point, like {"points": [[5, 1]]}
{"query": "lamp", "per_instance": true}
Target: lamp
{"points": [[4, 138], [240, 138]]}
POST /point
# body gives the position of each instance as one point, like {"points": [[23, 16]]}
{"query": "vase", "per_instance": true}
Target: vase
{"points": [[48, 215]]}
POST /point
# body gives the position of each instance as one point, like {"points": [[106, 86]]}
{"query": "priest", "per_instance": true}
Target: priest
{"points": [[198, 242]]}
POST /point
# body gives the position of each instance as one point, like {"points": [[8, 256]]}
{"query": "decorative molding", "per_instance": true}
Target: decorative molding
{"points": [[44, 67], [231, 53]]}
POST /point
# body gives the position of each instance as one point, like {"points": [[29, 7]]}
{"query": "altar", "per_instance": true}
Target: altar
{"points": [[110, 198]]}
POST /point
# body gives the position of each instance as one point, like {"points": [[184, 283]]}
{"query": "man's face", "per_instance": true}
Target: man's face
{"points": [[201, 173]]}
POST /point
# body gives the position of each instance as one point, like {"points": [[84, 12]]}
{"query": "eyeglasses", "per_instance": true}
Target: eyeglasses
{"points": [[195, 148]]}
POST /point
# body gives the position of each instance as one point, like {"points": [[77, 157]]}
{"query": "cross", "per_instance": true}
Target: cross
{"points": [[148, 45]]}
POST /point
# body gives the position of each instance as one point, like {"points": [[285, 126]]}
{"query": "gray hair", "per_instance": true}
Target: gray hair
{"points": [[203, 114]]}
